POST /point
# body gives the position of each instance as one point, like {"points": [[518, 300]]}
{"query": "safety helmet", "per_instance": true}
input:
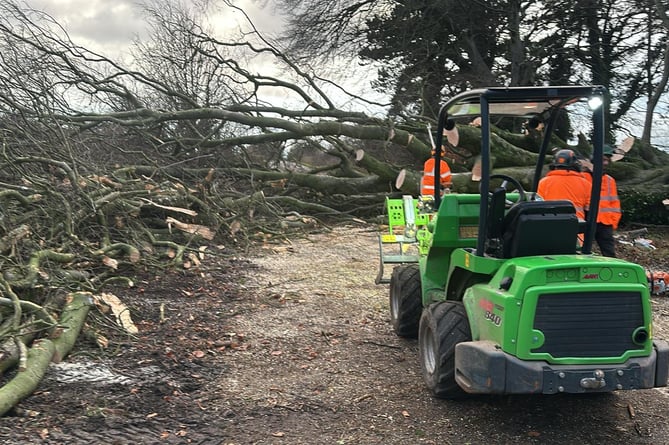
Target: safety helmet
{"points": [[565, 159], [607, 151]]}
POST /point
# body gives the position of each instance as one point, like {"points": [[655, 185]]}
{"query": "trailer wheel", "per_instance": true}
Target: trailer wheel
{"points": [[406, 302], [442, 326]]}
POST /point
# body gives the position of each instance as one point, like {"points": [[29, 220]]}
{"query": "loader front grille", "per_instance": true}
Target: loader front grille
{"points": [[592, 324]]}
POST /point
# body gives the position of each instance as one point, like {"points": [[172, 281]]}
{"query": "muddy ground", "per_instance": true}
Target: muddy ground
{"points": [[292, 345]]}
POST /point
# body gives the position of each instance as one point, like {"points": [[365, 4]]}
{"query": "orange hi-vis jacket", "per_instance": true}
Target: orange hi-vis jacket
{"points": [[609, 204], [427, 182], [561, 184]]}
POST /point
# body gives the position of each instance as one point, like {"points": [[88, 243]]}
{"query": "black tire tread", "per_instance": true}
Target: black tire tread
{"points": [[405, 286], [452, 327]]}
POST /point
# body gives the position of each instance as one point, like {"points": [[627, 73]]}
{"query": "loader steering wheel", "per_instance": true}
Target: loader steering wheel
{"points": [[506, 180]]}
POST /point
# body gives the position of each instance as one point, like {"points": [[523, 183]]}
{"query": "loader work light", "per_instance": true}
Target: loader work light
{"points": [[595, 102]]}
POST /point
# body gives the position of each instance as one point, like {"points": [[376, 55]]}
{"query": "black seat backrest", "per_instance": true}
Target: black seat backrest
{"points": [[495, 223], [540, 228], [496, 213]]}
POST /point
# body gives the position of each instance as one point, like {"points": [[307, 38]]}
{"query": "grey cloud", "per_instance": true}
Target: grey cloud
{"points": [[102, 21], [107, 26]]}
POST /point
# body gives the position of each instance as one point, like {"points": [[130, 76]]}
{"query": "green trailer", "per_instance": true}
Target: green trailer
{"points": [[502, 289]]}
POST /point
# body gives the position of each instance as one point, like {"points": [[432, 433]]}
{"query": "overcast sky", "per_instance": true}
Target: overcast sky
{"points": [[101, 24], [109, 26]]}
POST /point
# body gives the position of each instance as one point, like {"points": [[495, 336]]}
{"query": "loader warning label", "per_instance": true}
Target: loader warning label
{"points": [[388, 238]]}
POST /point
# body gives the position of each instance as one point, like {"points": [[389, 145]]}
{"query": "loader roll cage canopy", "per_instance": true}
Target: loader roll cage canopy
{"points": [[537, 104]]}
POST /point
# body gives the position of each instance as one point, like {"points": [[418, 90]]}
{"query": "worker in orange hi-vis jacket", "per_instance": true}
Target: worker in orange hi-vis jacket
{"points": [[565, 181], [609, 213], [428, 182]]}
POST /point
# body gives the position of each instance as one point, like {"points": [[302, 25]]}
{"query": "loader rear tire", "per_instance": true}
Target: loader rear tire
{"points": [[442, 326], [406, 302]]}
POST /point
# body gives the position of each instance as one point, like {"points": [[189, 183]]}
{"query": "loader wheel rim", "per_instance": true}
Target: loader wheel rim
{"points": [[394, 308], [429, 357]]}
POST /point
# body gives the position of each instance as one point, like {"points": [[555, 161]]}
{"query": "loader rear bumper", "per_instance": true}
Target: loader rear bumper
{"points": [[482, 368]]}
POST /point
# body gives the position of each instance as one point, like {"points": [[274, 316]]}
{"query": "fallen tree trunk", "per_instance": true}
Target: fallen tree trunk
{"points": [[26, 380], [44, 351]]}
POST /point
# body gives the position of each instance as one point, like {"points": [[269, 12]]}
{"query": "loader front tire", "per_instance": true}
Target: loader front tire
{"points": [[406, 302], [442, 326]]}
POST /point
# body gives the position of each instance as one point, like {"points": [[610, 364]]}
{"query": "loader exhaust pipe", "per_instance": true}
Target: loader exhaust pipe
{"points": [[640, 336]]}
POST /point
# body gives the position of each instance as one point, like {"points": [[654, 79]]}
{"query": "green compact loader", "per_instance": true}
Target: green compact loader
{"points": [[502, 288]]}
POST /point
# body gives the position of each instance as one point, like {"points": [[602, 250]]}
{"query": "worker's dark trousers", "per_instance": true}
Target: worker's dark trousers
{"points": [[605, 241]]}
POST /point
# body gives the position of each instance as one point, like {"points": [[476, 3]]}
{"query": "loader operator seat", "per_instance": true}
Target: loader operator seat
{"points": [[497, 207], [539, 228]]}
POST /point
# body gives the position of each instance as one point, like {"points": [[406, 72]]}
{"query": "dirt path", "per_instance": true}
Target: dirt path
{"points": [[320, 364], [294, 347]]}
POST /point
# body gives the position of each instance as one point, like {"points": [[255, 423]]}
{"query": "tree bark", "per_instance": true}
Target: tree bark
{"points": [[43, 351], [26, 380]]}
